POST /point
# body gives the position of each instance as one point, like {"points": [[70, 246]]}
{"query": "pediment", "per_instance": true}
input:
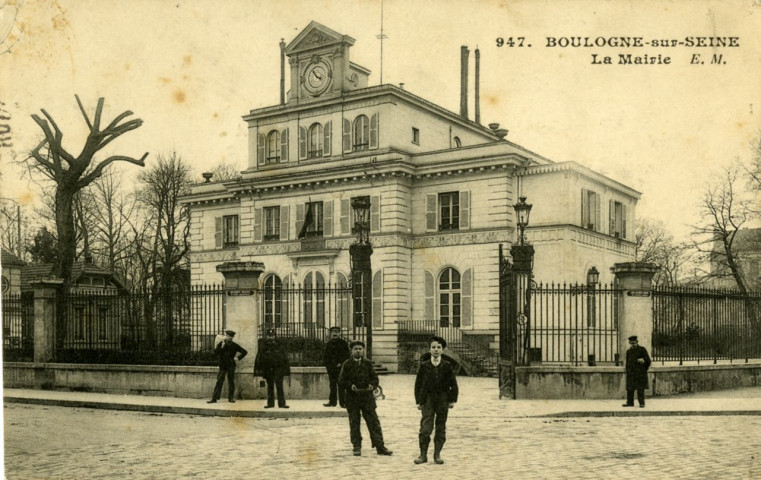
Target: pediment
{"points": [[316, 35]]}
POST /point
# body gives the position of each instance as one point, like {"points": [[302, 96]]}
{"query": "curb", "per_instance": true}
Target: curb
{"points": [[651, 413], [207, 412]]}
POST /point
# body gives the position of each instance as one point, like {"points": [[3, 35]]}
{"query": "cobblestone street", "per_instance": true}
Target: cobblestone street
{"points": [[46, 442]]}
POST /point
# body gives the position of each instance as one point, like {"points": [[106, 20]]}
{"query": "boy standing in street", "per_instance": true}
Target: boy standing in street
{"points": [[435, 393], [359, 379]]}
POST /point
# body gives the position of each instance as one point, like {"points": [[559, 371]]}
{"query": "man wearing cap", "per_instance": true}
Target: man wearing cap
{"points": [[359, 379], [272, 364], [227, 350], [435, 393], [637, 363], [335, 354]]}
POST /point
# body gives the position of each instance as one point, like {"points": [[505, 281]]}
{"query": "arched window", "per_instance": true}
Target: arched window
{"points": [[314, 299], [457, 142], [343, 301], [450, 298], [273, 301], [361, 133], [273, 147], [315, 139]]}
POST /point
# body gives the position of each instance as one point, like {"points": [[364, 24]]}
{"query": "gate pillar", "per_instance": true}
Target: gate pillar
{"points": [[46, 334], [635, 308], [242, 310]]}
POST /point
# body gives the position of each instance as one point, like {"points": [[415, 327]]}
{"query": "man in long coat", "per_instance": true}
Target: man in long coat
{"points": [[359, 379], [436, 392], [226, 350], [272, 364], [637, 364], [335, 354]]}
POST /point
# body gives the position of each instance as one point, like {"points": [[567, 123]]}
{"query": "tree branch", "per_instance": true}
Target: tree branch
{"points": [[87, 179], [84, 112]]}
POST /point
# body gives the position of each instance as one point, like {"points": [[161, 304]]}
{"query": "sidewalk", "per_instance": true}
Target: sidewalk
{"points": [[478, 397]]}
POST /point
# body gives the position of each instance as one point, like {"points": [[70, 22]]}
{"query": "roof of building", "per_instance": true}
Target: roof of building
{"points": [[41, 271], [8, 259]]}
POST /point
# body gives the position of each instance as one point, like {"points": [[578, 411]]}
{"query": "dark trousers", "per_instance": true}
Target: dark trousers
{"points": [[435, 412], [230, 373], [640, 396], [271, 384], [373, 425], [336, 392]]}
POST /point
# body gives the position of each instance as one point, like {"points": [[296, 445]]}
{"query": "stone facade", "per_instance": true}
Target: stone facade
{"points": [[441, 189]]}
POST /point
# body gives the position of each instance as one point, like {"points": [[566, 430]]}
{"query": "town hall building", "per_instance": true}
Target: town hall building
{"points": [[441, 188]]}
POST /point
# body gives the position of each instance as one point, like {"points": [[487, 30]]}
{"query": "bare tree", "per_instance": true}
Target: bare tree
{"points": [[654, 244], [166, 219], [113, 245], [225, 171], [73, 173], [724, 212]]}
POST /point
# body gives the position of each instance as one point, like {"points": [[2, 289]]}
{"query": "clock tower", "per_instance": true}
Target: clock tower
{"points": [[320, 65]]}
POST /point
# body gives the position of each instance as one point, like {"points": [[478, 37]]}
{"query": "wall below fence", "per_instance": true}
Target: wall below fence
{"points": [[567, 382], [167, 381]]}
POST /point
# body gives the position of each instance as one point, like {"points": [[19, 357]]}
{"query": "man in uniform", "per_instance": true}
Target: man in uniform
{"points": [[272, 364], [359, 379], [637, 364], [435, 393], [227, 350], [336, 353]]}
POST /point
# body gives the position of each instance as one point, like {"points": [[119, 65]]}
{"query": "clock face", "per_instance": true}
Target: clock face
{"points": [[317, 77]]}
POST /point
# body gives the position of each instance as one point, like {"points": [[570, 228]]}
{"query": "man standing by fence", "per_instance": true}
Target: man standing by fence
{"points": [[272, 364], [637, 364], [336, 353], [226, 350]]}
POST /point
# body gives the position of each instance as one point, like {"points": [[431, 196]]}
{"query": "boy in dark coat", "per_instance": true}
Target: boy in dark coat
{"points": [[637, 364], [435, 393], [359, 379], [226, 350], [272, 364], [335, 354]]}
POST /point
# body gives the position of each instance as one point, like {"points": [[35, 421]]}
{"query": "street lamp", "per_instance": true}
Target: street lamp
{"points": [[360, 253], [523, 264], [522, 213], [593, 276]]}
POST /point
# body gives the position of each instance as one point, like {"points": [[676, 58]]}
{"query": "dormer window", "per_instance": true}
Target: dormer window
{"points": [[273, 147], [361, 133], [315, 139]]}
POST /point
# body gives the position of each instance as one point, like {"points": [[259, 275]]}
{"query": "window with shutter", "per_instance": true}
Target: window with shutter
{"points": [[377, 291], [284, 225], [431, 223], [284, 145], [467, 298], [273, 147], [374, 131], [464, 209], [429, 297], [375, 214], [328, 138]]}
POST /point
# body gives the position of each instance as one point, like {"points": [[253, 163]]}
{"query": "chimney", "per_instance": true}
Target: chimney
{"points": [[464, 81], [282, 71], [477, 100]]}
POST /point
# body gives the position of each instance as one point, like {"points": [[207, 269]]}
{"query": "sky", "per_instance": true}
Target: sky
{"points": [[191, 69]]}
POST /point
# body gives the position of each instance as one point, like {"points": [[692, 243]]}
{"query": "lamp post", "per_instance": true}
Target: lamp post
{"points": [[593, 276], [523, 264], [360, 253]]}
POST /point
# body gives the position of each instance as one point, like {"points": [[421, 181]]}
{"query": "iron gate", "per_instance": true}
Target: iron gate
{"points": [[514, 315]]}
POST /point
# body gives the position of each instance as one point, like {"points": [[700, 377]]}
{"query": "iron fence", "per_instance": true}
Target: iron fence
{"points": [[302, 316], [18, 327], [693, 323], [572, 323], [473, 353], [174, 327]]}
